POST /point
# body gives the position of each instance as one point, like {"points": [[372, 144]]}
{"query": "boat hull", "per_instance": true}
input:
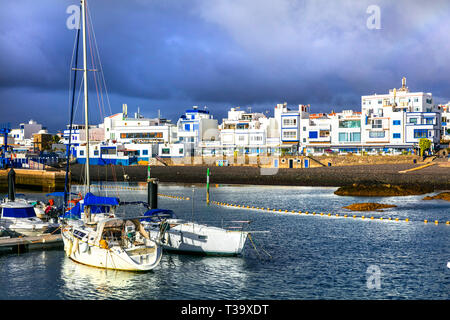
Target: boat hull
{"points": [[201, 239], [116, 258]]}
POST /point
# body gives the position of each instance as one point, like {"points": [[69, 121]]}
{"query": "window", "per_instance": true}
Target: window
{"points": [[416, 99], [429, 101], [350, 124], [313, 134], [180, 151], [241, 138], [145, 152], [290, 134], [413, 120], [377, 124], [165, 151], [420, 133], [343, 136], [396, 136], [95, 152], [376, 134], [290, 122], [108, 150], [81, 152], [349, 137], [187, 127], [396, 122], [324, 133], [355, 136], [429, 120], [380, 101]]}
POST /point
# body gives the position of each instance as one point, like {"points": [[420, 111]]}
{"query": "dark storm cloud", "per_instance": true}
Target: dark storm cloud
{"points": [[170, 55]]}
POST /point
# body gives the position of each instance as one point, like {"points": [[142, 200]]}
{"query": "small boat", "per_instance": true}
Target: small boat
{"points": [[19, 216], [183, 236], [114, 243]]}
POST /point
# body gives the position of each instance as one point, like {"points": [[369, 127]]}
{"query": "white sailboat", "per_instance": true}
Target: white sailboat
{"points": [[114, 243], [179, 235], [111, 243]]}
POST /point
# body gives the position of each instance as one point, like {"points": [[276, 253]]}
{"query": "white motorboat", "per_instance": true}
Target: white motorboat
{"points": [[114, 243], [183, 236], [20, 216]]}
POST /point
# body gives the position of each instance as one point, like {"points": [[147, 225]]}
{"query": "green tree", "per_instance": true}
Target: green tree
{"points": [[424, 144]]}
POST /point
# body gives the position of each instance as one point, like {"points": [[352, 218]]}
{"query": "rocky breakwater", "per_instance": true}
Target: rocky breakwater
{"points": [[440, 196], [382, 190], [369, 206]]}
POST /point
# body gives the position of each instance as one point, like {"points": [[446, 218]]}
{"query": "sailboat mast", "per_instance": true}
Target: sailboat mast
{"points": [[83, 10]]}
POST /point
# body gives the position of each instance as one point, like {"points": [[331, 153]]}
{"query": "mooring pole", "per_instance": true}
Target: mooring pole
{"points": [[152, 193], [207, 186], [11, 184]]}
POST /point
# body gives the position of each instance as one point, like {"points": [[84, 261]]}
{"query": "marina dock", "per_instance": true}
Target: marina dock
{"points": [[24, 244], [44, 180]]}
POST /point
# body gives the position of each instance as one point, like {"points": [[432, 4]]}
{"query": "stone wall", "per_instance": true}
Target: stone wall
{"points": [[286, 161], [35, 179]]}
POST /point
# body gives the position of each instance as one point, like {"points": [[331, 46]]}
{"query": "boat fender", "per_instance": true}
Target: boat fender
{"points": [[103, 244], [69, 247], [75, 245], [83, 247]]}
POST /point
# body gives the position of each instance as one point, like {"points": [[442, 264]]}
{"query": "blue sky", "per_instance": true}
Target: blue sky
{"points": [[172, 54]]}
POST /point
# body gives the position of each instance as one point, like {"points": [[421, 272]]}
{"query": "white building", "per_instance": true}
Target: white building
{"points": [[195, 129], [24, 134], [395, 122], [445, 122], [244, 133]]}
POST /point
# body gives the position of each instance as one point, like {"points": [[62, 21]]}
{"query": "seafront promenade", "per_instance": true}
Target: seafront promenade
{"points": [[436, 176]]}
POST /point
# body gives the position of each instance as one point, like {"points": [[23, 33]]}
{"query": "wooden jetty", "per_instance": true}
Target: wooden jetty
{"points": [[24, 244]]}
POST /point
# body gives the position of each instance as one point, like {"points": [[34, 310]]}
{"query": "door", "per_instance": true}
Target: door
{"points": [[291, 163]]}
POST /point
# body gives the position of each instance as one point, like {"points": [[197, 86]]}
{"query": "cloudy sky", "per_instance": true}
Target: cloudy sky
{"points": [[168, 55]]}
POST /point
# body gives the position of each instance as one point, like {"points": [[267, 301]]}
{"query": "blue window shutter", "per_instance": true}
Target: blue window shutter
{"points": [[313, 135]]}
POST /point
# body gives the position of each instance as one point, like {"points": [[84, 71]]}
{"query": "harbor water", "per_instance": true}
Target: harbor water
{"points": [[299, 257]]}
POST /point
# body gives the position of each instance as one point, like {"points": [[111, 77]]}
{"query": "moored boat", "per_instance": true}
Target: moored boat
{"points": [[20, 217], [114, 243], [179, 235]]}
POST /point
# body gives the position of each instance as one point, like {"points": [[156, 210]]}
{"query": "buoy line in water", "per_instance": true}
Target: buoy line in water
{"points": [[327, 214], [321, 214]]}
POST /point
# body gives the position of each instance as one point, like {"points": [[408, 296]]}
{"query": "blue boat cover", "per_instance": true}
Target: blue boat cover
{"points": [[158, 214], [73, 213], [92, 200], [27, 212]]}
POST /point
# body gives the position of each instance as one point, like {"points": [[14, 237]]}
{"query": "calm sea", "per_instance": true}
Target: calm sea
{"points": [[300, 257]]}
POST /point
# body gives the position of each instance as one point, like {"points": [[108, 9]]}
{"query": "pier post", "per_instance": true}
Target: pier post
{"points": [[11, 184], [152, 193], [207, 186]]}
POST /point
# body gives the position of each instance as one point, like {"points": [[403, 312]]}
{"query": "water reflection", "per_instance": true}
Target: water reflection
{"points": [[177, 277]]}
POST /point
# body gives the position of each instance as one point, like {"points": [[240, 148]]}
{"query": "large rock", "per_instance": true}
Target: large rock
{"points": [[368, 206], [382, 190], [440, 196]]}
